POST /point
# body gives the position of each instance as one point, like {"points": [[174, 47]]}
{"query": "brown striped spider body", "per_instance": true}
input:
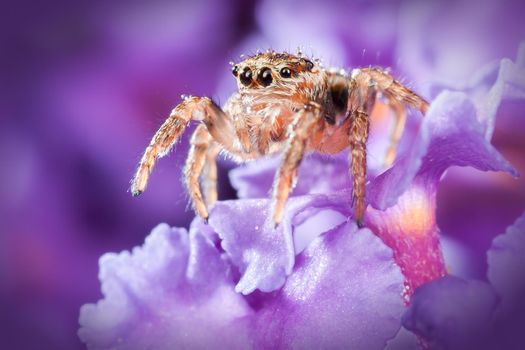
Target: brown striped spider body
{"points": [[284, 104]]}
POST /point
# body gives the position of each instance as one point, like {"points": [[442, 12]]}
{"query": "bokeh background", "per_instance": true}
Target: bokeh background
{"points": [[85, 84]]}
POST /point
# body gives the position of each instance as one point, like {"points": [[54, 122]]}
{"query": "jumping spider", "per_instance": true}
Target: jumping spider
{"points": [[285, 103]]}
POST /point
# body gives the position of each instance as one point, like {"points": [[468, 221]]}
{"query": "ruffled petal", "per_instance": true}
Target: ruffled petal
{"points": [[263, 254], [174, 292], [344, 292]]}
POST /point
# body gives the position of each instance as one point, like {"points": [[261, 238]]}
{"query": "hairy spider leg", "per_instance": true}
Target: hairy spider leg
{"points": [[361, 100], [209, 174], [400, 116], [397, 94], [192, 108], [393, 89], [197, 156], [304, 124], [367, 82]]}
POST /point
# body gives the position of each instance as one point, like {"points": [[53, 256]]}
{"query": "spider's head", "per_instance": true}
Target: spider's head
{"points": [[274, 71]]}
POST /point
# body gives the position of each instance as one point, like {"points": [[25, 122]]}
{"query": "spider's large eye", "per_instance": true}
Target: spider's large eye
{"points": [[246, 76], [265, 76], [235, 71], [285, 72]]}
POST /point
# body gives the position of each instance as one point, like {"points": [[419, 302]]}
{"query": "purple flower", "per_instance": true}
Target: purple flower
{"points": [[456, 313], [316, 281], [178, 290]]}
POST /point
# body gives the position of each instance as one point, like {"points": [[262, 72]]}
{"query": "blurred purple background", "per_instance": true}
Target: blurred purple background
{"points": [[85, 84]]}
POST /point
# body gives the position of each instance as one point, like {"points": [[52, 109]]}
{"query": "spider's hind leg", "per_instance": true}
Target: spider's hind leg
{"points": [[398, 95], [400, 116]]}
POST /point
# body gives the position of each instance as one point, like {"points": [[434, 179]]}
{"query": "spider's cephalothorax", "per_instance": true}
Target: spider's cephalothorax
{"points": [[288, 104]]}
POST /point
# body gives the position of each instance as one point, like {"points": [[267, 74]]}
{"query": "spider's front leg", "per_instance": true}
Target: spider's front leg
{"points": [[201, 154], [358, 136], [304, 123], [193, 108], [362, 99]]}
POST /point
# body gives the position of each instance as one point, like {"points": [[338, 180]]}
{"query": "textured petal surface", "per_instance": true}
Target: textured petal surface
{"points": [[409, 228], [264, 255], [345, 292], [174, 292], [177, 292]]}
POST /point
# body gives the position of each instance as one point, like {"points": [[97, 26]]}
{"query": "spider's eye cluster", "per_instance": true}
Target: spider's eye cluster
{"points": [[246, 76], [235, 71], [265, 76], [285, 72]]}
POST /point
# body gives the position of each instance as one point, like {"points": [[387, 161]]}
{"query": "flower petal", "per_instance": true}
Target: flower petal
{"points": [[451, 313], [317, 174], [409, 228], [263, 254], [506, 273], [490, 86], [455, 313], [344, 292], [450, 135], [174, 292]]}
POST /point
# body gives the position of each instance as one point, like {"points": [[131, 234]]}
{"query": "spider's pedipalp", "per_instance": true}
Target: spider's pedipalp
{"points": [[196, 108], [303, 125]]}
